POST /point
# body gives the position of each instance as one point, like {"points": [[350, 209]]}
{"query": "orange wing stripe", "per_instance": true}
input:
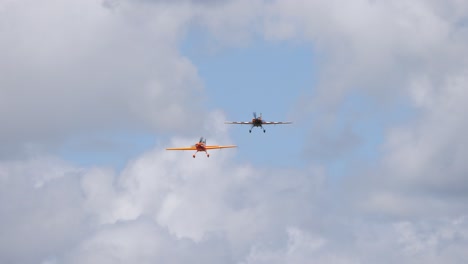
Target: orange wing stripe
{"points": [[187, 148], [220, 147]]}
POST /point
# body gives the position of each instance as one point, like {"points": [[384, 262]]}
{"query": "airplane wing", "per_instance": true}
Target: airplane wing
{"points": [[276, 123], [220, 147], [186, 148], [239, 123]]}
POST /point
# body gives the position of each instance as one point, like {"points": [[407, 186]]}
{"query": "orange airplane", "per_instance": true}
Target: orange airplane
{"points": [[201, 146], [257, 122]]}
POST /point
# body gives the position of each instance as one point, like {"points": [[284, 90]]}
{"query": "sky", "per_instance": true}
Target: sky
{"points": [[372, 170]]}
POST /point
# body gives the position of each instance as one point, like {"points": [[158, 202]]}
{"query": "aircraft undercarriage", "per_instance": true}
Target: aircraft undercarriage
{"points": [[250, 130], [207, 155]]}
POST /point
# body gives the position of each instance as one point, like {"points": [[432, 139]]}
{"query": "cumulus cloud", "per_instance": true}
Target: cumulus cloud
{"points": [[396, 54], [145, 242], [423, 160], [41, 209], [205, 209], [372, 49], [367, 42], [73, 68], [157, 208]]}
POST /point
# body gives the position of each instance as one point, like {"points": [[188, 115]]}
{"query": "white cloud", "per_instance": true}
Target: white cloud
{"points": [[73, 68], [375, 49], [41, 209], [211, 209], [159, 204], [422, 172], [142, 241], [395, 53]]}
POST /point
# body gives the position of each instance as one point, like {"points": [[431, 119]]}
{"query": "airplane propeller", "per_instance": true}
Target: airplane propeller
{"points": [[255, 114]]}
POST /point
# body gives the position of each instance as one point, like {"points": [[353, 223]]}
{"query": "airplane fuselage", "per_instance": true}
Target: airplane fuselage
{"points": [[200, 147], [257, 122]]}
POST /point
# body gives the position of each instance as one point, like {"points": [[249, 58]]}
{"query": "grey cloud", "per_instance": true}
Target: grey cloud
{"points": [[410, 54], [186, 1], [371, 48], [423, 162], [209, 210], [157, 209], [144, 241], [40, 210], [78, 68], [409, 242]]}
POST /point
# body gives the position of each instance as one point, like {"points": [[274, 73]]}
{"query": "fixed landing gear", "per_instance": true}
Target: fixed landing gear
{"points": [[207, 155], [250, 130]]}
